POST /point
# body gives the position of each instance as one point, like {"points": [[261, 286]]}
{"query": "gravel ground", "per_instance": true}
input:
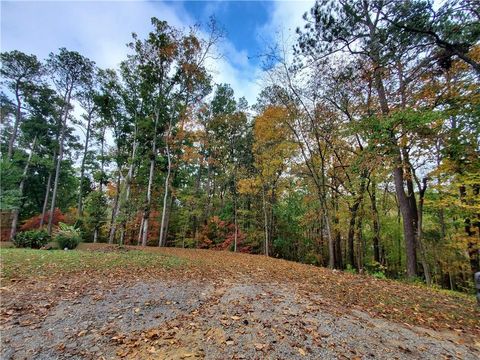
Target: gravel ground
{"points": [[218, 320]]}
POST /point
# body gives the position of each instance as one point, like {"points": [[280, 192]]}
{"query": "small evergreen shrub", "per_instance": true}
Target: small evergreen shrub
{"points": [[67, 236], [34, 239], [349, 269], [379, 275]]}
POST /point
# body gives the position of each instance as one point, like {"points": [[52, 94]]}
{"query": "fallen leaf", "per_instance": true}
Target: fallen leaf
{"points": [[259, 346]]}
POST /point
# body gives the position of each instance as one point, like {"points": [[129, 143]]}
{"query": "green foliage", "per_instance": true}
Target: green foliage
{"points": [[379, 275], [95, 212], [374, 267], [349, 269], [321, 149], [34, 239], [67, 236], [310, 258]]}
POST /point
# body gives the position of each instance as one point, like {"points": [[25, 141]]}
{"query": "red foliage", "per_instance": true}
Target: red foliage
{"points": [[220, 235], [34, 222], [6, 218], [133, 228]]}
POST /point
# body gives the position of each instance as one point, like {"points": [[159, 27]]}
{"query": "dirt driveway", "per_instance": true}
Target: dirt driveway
{"points": [[216, 320], [224, 306]]}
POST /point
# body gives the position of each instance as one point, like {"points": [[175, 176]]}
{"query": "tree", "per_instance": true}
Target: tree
{"points": [[95, 212], [36, 130], [272, 150], [454, 28], [20, 71], [156, 56], [87, 97], [361, 29], [69, 70], [110, 107]]}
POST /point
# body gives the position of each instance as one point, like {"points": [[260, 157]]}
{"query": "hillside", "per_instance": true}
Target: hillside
{"points": [[110, 302]]}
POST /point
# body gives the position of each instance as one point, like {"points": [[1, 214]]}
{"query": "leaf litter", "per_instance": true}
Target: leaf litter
{"points": [[219, 305]]}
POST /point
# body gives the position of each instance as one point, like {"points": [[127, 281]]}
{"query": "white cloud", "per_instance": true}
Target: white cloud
{"points": [[98, 30], [237, 69], [286, 17], [101, 29]]}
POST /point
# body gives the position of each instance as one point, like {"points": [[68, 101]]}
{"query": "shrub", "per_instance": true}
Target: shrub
{"points": [[34, 239], [379, 275], [374, 266], [311, 258], [350, 269], [376, 269], [67, 236]]}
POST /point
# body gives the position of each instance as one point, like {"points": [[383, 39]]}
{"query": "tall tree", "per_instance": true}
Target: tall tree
{"points": [[156, 56], [361, 29], [20, 71], [70, 71], [87, 100]]}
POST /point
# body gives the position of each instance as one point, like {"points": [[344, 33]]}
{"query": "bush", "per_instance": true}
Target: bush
{"points": [[67, 236], [376, 269], [379, 275], [350, 269], [34, 239]]}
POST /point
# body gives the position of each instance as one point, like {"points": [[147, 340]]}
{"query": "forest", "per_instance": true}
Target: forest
{"points": [[361, 152]]}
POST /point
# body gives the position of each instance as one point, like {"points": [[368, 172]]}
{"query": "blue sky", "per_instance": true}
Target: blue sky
{"points": [[100, 30]]}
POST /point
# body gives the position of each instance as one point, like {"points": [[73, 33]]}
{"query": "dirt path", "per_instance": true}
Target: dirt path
{"points": [[215, 319]]}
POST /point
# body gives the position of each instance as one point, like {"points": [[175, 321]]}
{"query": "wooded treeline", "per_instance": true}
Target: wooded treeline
{"points": [[361, 153]]}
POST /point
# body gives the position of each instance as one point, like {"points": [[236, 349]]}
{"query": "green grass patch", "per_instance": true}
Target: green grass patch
{"points": [[21, 263]]}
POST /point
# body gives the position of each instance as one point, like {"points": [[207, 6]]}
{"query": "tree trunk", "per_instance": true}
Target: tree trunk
{"points": [[197, 194], [82, 167], [265, 215], [18, 117], [331, 241], [116, 206], [376, 223], [167, 220], [140, 232], [469, 225], [128, 183], [208, 191], [360, 245], [409, 230], [59, 160], [235, 235], [422, 187], [20, 191], [351, 233], [102, 160], [167, 183], [146, 211], [273, 201], [47, 192]]}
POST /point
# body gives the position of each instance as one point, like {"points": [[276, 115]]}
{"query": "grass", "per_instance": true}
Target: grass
{"points": [[21, 263]]}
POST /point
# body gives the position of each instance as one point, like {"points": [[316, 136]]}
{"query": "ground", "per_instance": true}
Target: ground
{"points": [[107, 302]]}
